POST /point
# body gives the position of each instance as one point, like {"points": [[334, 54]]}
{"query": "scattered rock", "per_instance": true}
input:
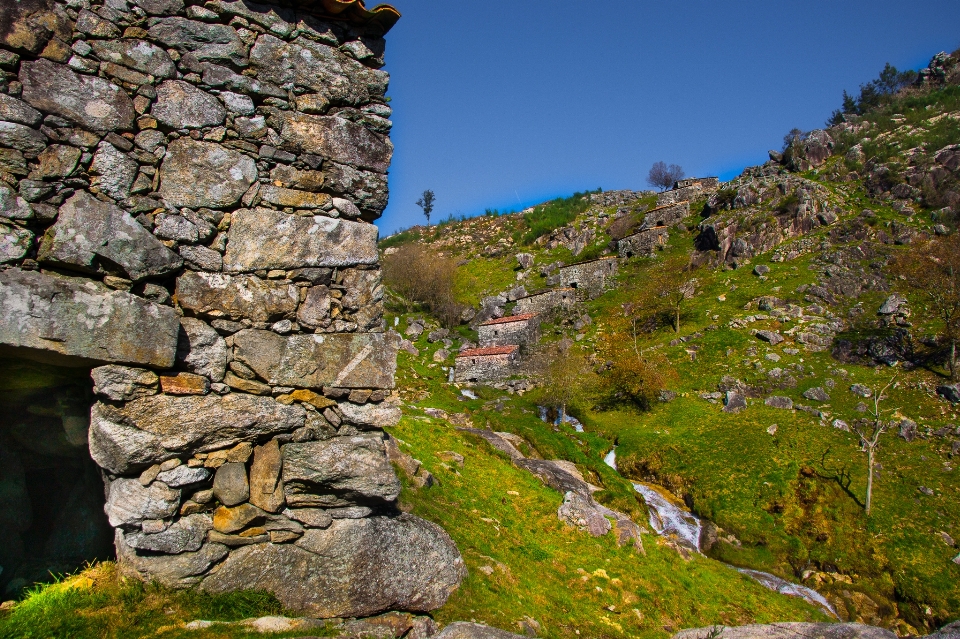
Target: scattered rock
{"points": [[734, 402], [861, 391], [817, 394], [467, 630], [788, 630], [770, 337], [950, 392], [777, 401]]}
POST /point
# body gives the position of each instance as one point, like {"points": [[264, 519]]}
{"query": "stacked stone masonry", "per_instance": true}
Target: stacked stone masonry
{"points": [[591, 278], [186, 197], [522, 330], [688, 190], [487, 364], [547, 302]]}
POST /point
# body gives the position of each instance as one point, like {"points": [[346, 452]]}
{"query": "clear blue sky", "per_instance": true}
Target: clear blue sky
{"points": [[503, 104]]}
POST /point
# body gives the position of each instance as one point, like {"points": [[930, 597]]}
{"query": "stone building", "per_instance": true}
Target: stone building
{"points": [[643, 243], [689, 189], [487, 364], [186, 197], [590, 278], [522, 330], [548, 302], [667, 215]]}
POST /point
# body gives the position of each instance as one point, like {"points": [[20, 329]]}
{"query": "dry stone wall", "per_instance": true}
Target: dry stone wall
{"points": [[186, 197]]}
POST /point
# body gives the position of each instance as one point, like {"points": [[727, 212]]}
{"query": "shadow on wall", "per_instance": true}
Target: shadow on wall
{"points": [[51, 494]]}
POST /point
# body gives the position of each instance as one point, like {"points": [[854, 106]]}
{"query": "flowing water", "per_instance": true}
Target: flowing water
{"points": [[681, 525], [570, 419]]}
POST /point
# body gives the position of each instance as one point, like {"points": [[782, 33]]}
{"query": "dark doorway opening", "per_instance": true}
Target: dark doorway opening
{"points": [[51, 492]]}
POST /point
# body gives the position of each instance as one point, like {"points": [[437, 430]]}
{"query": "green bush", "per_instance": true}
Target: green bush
{"points": [[547, 217]]}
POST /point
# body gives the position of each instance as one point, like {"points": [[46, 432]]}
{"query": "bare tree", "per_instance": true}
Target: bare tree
{"points": [[870, 431], [662, 176], [426, 203], [933, 274], [419, 275]]}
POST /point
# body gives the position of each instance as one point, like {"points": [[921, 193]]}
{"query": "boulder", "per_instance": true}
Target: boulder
{"points": [[908, 430], [468, 630], [18, 111], [201, 350], [862, 391], [113, 171], [770, 337], [92, 102], [335, 138], [230, 484], [180, 105], [265, 239], [266, 491], [817, 394], [779, 402], [136, 54], [734, 402], [56, 317], [789, 630], [318, 67], [951, 630], [22, 138], [354, 568], [92, 236], [525, 260], [236, 296], [201, 41], [367, 416], [950, 392], [892, 304], [580, 511], [152, 429], [338, 472], [187, 534], [122, 383], [172, 571], [15, 242], [198, 174], [129, 502], [343, 360]]}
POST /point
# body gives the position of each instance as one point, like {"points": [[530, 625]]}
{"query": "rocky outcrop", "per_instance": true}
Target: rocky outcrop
{"points": [[186, 198]]}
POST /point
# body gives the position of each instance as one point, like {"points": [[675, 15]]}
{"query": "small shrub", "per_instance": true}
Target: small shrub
{"points": [[554, 214], [420, 275]]}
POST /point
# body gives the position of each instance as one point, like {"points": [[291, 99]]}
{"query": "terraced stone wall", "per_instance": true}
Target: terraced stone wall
{"points": [[186, 197]]}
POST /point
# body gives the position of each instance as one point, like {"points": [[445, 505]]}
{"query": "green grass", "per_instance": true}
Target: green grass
{"points": [[98, 603], [552, 215]]}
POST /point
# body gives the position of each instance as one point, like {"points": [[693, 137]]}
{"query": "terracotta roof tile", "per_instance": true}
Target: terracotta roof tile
{"points": [[382, 16], [489, 350], [509, 318]]}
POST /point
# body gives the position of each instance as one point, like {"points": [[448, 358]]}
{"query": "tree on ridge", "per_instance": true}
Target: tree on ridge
{"points": [[426, 203], [662, 176]]}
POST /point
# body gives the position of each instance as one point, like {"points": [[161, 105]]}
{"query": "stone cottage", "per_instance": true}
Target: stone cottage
{"points": [[487, 364], [522, 330], [688, 189], [589, 278], [546, 303], [643, 243], [667, 215], [186, 197]]}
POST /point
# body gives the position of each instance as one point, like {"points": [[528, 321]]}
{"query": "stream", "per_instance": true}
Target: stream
{"points": [[681, 525]]}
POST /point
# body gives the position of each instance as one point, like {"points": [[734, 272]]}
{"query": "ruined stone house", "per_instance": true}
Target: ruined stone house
{"points": [[522, 330], [589, 278], [643, 243], [688, 189], [547, 303], [191, 303], [487, 364], [667, 215]]}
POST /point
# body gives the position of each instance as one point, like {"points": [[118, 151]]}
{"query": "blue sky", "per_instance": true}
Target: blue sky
{"points": [[503, 104]]}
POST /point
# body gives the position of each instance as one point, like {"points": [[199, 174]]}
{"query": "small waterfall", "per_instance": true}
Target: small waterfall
{"points": [[570, 419], [681, 525]]}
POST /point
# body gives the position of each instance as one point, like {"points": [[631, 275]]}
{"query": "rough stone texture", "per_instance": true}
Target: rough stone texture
{"points": [[265, 239], [203, 174], [578, 511], [266, 490], [152, 429], [21, 137], [93, 237], [69, 317], [354, 568], [123, 384], [371, 416], [14, 110], [173, 571], [136, 54], [523, 330], [183, 476], [15, 242], [547, 302], [12, 206], [468, 630], [589, 278], [201, 350], [487, 364], [643, 243], [336, 138], [230, 484], [91, 102], [342, 471], [180, 105], [203, 42], [114, 172], [184, 535], [236, 296], [789, 630], [366, 360], [129, 502]]}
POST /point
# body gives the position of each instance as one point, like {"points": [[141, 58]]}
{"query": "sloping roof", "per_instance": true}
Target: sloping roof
{"points": [[382, 16], [489, 350], [509, 318]]}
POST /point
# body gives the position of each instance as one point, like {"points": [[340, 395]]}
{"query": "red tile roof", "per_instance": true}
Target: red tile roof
{"points": [[508, 319], [489, 350], [383, 15]]}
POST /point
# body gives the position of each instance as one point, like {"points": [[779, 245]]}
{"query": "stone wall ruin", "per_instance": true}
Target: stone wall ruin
{"points": [[186, 197]]}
